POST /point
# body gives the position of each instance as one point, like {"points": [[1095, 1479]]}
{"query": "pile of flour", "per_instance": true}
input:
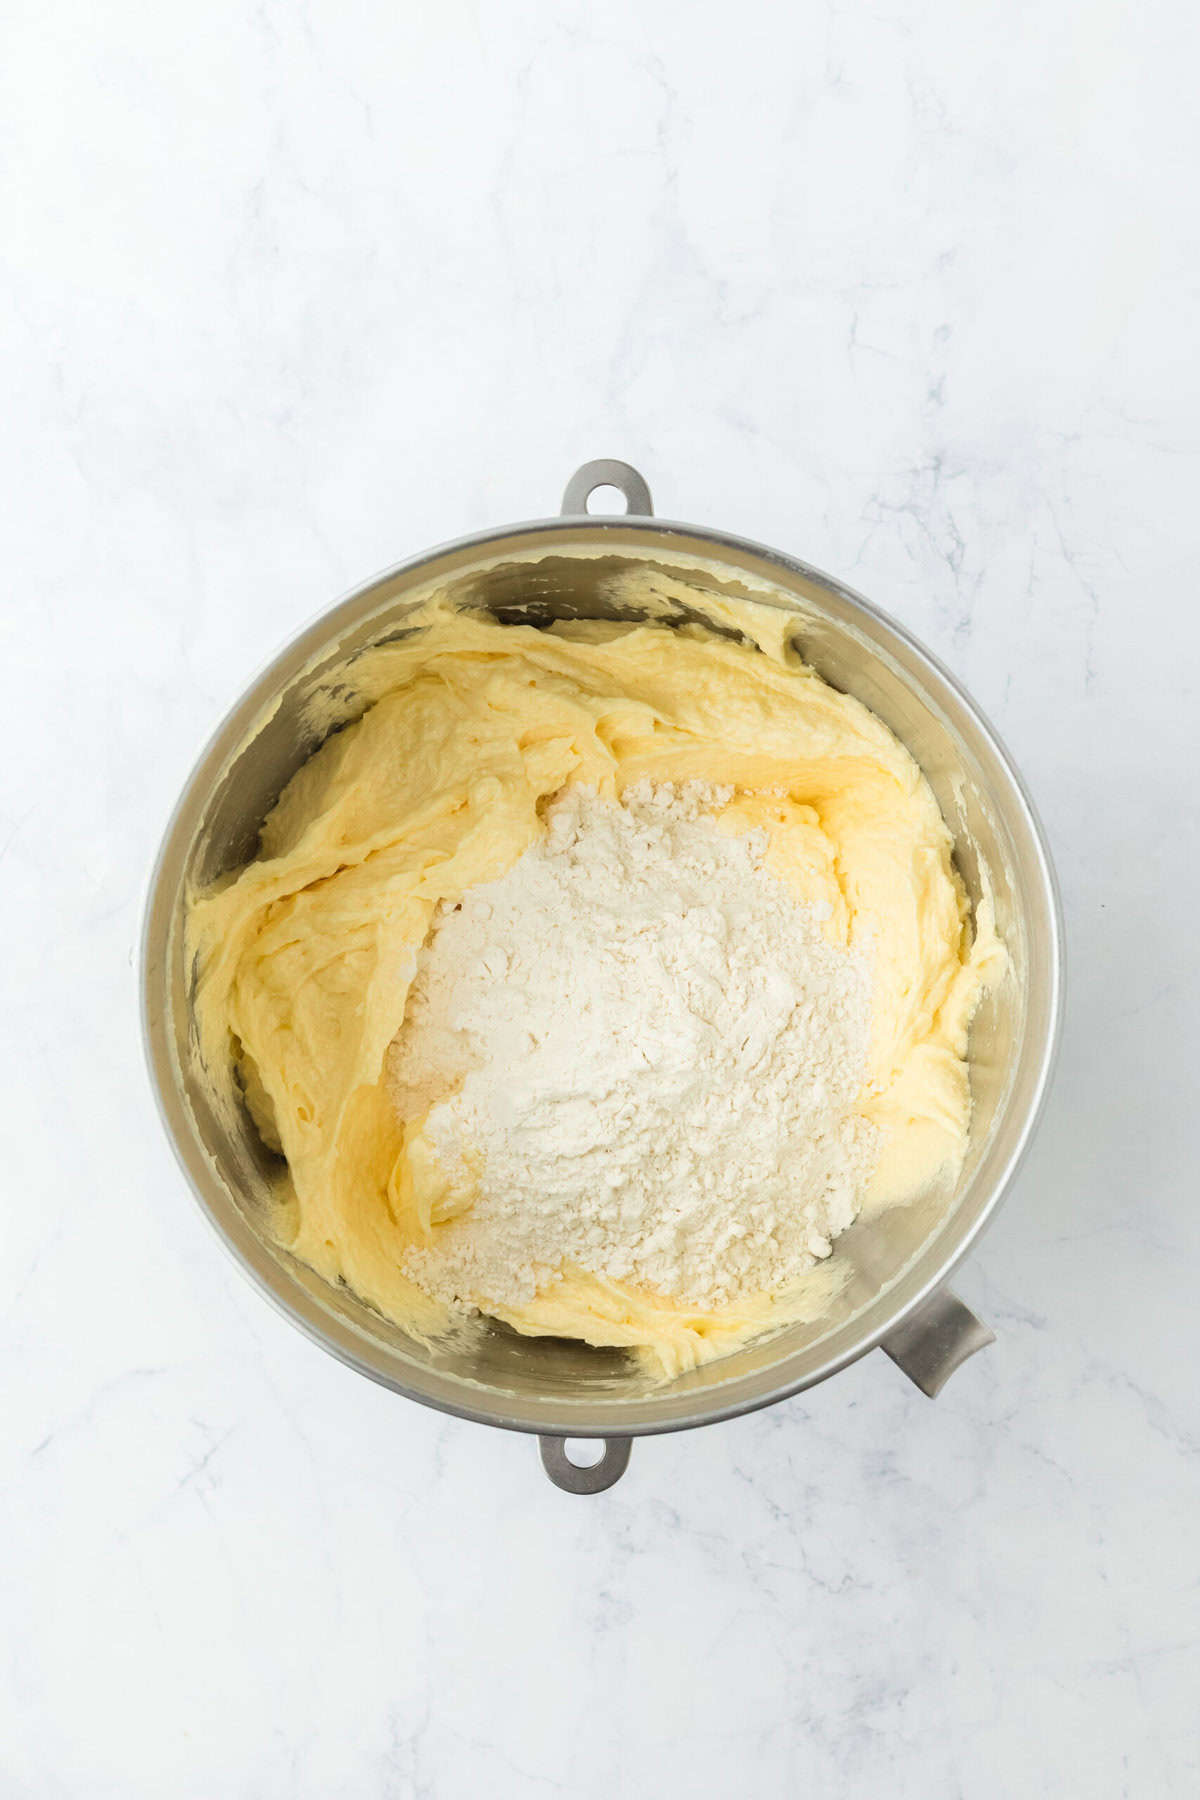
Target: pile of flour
{"points": [[641, 1057]]}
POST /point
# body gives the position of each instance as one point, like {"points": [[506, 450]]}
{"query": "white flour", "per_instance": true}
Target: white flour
{"points": [[641, 1056]]}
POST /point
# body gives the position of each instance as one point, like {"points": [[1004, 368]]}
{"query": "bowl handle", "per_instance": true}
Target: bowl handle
{"points": [[939, 1336], [929, 1346], [607, 473], [573, 1479]]}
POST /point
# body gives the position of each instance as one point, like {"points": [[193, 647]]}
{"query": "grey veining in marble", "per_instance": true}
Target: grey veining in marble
{"points": [[289, 292]]}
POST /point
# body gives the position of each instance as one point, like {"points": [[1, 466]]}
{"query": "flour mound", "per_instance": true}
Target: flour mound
{"points": [[637, 1055]]}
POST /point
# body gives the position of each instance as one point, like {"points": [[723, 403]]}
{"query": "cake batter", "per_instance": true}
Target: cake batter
{"points": [[304, 959]]}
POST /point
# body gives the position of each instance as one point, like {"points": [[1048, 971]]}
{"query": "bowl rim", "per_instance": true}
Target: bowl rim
{"points": [[269, 1274]]}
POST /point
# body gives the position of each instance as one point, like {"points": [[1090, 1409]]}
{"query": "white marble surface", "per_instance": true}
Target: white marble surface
{"points": [[291, 291]]}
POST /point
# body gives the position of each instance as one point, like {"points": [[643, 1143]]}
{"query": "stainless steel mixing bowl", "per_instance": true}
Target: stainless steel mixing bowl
{"points": [[896, 1263]]}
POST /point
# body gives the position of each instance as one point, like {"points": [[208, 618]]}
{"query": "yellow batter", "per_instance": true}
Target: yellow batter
{"points": [[304, 958]]}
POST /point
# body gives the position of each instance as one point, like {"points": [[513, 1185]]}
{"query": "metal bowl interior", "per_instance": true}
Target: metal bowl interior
{"points": [[570, 568]]}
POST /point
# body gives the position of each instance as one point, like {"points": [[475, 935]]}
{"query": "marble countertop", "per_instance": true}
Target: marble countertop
{"points": [[290, 292]]}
